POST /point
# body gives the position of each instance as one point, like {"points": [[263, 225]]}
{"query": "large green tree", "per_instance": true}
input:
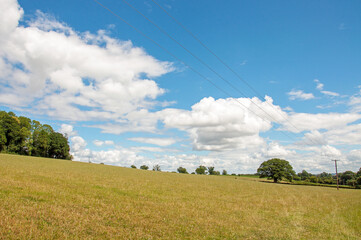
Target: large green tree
{"points": [[276, 169], [22, 136]]}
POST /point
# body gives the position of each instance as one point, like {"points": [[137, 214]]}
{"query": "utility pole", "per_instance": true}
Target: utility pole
{"points": [[336, 171]]}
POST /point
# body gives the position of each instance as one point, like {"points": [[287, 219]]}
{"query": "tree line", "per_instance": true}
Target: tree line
{"points": [[279, 169], [21, 135]]}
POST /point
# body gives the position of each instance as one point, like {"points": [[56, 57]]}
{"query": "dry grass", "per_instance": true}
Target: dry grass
{"points": [[54, 199]]}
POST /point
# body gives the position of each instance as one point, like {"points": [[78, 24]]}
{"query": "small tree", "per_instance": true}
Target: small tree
{"points": [[182, 170], [144, 167], [156, 168], [276, 169], [211, 170], [224, 172], [133, 166], [201, 170]]}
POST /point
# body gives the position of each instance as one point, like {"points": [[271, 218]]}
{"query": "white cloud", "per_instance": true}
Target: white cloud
{"points": [[355, 103], [350, 135], [67, 130], [11, 13], [225, 123], [101, 143], [330, 151], [320, 87], [309, 122], [355, 155], [275, 150], [319, 84], [136, 121], [77, 144], [63, 72], [314, 138], [155, 141], [299, 94], [332, 94]]}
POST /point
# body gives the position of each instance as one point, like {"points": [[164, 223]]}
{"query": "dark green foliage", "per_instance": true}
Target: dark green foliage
{"points": [[296, 178], [58, 146], [325, 175], [313, 179], [224, 172], [358, 174], [182, 170], [346, 176], [351, 182], [211, 170], [304, 175], [22, 136], [133, 166], [201, 170], [358, 180], [144, 167], [276, 169], [216, 173]]}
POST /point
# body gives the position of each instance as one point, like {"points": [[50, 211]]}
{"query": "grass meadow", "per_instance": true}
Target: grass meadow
{"points": [[55, 199]]}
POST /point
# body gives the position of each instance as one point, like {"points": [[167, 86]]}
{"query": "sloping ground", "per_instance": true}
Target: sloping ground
{"points": [[54, 199]]}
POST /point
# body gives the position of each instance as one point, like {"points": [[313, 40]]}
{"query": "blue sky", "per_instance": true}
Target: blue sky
{"points": [[122, 100]]}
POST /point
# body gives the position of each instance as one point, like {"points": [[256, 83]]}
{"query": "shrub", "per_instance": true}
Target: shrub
{"points": [[182, 170], [144, 167]]}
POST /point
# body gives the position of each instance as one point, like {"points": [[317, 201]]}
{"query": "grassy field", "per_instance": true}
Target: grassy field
{"points": [[54, 199]]}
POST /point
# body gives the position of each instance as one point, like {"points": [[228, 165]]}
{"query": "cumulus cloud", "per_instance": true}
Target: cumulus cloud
{"points": [[77, 144], [53, 70], [355, 155], [225, 123], [67, 130], [314, 137], [299, 94], [275, 150]]}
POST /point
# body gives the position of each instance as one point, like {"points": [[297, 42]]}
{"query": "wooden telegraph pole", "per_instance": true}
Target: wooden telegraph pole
{"points": [[336, 171]]}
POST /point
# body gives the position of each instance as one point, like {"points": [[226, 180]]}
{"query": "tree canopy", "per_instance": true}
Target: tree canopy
{"points": [[276, 169], [201, 170], [21, 135], [182, 170]]}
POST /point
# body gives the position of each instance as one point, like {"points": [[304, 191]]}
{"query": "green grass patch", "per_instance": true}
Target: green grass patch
{"points": [[54, 199]]}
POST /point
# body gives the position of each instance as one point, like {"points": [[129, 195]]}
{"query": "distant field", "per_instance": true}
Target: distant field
{"points": [[56, 199]]}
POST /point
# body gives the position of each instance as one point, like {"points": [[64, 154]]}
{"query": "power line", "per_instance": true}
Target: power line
{"points": [[178, 59], [202, 62], [220, 60]]}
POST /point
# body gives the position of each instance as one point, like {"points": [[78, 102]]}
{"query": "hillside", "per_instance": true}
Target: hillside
{"points": [[47, 198]]}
